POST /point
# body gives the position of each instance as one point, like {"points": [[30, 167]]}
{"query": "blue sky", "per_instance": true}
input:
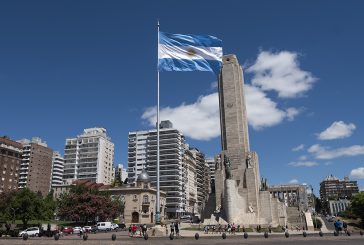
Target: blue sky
{"points": [[70, 65]]}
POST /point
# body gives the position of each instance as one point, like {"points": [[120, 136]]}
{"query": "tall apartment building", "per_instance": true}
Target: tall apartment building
{"points": [[121, 172], [36, 166], [203, 179], [212, 168], [189, 161], [331, 188], [89, 156], [57, 169], [10, 160], [142, 153]]}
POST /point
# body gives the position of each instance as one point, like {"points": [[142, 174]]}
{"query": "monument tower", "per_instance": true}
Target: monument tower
{"points": [[241, 198]]}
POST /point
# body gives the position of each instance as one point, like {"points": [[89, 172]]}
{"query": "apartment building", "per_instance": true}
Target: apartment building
{"points": [[142, 153], [10, 160], [36, 166], [331, 188], [57, 169], [89, 156]]}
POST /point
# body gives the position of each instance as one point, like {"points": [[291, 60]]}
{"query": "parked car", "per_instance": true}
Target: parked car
{"points": [[104, 226], [67, 230], [77, 230], [94, 229], [122, 226], [87, 228], [114, 226], [32, 231]]}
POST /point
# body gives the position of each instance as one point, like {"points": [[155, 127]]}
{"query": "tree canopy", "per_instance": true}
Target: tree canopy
{"points": [[26, 205], [84, 204], [357, 205]]}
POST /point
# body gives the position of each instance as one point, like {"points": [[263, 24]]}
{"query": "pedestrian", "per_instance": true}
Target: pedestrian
{"points": [[176, 228], [172, 228]]}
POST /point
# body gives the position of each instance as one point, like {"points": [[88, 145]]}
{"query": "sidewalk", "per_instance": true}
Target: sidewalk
{"points": [[191, 233]]}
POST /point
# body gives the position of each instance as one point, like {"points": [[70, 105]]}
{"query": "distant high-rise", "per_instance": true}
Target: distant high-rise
{"points": [[142, 153], [120, 172], [36, 167], [202, 177], [183, 170], [331, 188], [10, 160], [89, 156], [212, 167], [57, 169]]}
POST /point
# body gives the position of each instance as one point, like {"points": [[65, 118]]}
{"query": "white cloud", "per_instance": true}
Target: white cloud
{"points": [[299, 147], [213, 85], [321, 152], [262, 111], [199, 120], [337, 130], [293, 181], [280, 72], [357, 173], [302, 158], [303, 164]]}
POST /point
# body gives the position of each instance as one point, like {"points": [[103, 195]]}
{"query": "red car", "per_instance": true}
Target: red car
{"points": [[68, 230]]}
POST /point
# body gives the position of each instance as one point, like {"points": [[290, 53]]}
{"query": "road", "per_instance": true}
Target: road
{"points": [[123, 238]]}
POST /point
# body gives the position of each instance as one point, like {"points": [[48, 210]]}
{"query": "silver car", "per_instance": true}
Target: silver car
{"points": [[32, 231]]}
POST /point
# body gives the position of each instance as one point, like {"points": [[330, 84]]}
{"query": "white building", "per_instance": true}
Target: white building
{"points": [[337, 206], [142, 153], [57, 169], [89, 156], [121, 171]]}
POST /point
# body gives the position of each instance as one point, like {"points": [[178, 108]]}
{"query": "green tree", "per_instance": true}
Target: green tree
{"points": [[28, 205], [357, 205]]}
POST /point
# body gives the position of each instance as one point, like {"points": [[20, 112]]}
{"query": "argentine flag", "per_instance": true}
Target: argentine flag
{"points": [[177, 52]]}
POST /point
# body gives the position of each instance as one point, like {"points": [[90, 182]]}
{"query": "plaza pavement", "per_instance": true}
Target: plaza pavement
{"points": [[188, 238]]}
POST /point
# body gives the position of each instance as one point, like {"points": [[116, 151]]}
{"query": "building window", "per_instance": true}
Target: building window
{"points": [[145, 199]]}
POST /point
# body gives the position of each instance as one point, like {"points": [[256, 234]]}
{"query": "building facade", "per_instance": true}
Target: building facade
{"points": [[120, 172], [337, 206], [203, 179], [212, 167], [331, 188], [139, 200], [36, 166], [89, 156], [189, 161], [57, 169], [142, 153], [10, 160]]}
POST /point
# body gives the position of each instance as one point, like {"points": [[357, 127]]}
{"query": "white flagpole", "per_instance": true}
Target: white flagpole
{"points": [[157, 214]]}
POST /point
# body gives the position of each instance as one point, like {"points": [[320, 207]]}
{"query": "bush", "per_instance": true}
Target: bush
{"points": [[317, 223]]}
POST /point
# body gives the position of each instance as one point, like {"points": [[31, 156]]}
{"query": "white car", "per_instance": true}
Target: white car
{"points": [[87, 228], [32, 231], [114, 226], [104, 226], [76, 230]]}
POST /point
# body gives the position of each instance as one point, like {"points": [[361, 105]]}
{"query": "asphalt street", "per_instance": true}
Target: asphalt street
{"points": [[122, 238]]}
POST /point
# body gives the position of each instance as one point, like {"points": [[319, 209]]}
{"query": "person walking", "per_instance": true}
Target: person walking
{"points": [[172, 228], [176, 228]]}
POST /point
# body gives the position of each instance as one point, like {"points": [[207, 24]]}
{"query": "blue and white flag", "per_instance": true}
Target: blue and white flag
{"points": [[177, 52]]}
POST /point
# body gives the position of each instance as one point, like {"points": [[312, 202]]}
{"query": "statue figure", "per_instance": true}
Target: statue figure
{"points": [[249, 163], [250, 208], [227, 165]]}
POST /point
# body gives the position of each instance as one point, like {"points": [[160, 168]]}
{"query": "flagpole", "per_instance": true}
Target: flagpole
{"points": [[157, 213]]}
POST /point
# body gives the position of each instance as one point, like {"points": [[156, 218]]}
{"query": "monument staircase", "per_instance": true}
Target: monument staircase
{"points": [[210, 207], [293, 218]]}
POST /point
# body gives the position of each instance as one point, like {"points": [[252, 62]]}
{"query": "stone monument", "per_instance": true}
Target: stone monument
{"points": [[239, 195]]}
